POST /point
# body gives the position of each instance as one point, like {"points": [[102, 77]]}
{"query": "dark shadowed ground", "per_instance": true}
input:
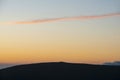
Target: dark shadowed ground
{"points": [[60, 71]]}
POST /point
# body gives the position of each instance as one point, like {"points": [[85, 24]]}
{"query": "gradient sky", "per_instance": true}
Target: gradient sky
{"points": [[81, 41]]}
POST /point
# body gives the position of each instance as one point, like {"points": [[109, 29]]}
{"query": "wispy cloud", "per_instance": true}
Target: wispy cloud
{"points": [[60, 19]]}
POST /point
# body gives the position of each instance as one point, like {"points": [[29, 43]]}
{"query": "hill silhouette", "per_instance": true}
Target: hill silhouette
{"points": [[60, 71]]}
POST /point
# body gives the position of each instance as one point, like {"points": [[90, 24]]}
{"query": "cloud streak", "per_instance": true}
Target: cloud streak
{"points": [[60, 19]]}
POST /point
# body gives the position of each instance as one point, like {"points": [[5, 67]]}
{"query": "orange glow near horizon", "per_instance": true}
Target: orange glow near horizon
{"points": [[29, 48], [48, 53], [24, 46]]}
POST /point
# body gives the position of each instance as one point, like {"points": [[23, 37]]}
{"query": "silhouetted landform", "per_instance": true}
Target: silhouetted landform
{"points": [[116, 63], [60, 71]]}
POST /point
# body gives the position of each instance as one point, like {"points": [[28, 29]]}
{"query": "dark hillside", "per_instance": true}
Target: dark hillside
{"points": [[60, 71]]}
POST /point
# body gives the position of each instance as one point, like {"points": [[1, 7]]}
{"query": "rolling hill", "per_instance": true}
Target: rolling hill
{"points": [[60, 71]]}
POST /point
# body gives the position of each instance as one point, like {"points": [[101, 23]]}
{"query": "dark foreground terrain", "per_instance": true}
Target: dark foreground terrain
{"points": [[60, 71]]}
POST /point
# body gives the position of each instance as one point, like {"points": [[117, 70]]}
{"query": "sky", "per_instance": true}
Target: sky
{"points": [[80, 41]]}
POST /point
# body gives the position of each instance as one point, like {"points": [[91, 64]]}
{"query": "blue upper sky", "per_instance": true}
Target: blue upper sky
{"points": [[24, 9]]}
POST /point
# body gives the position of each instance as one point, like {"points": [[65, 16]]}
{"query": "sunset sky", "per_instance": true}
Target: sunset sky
{"points": [[80, 41]]}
